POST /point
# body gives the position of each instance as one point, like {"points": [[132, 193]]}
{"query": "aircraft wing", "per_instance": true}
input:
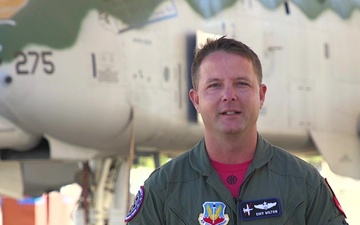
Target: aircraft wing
{"points": [[340, 151]]}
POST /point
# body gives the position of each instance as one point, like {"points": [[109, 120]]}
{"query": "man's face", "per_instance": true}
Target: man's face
{"points": [[228, 96]]}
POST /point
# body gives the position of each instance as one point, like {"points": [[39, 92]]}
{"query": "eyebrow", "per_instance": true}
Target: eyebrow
{"points": [[242, 78], [211, 80]]}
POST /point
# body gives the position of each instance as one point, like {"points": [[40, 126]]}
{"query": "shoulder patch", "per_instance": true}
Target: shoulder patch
{"points": [[135, 207], [336, 201]]}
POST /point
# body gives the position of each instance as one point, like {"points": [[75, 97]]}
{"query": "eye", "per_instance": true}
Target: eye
{"points": [[214, 85], [242, 83]]}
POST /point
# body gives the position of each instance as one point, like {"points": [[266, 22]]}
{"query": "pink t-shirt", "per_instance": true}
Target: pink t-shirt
{"points": [[232, 175]]}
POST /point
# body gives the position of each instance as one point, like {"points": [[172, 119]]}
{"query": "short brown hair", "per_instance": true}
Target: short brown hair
{"points": [[228, 45]]}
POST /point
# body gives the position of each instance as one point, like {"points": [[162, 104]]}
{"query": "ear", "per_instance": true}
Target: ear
{"points": [[194, 98], [262, 92]]}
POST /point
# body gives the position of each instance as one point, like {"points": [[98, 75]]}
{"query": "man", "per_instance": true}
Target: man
{"points": [[233, 176]]}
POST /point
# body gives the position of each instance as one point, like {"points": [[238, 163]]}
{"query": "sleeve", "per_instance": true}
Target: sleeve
{"points": [[323, 207], [147, 209]]}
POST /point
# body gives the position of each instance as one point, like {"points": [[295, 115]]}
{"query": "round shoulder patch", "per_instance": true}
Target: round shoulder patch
{"points": [[135, 207]]}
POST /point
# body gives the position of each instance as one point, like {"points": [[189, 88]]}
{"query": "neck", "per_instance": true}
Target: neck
{"points": [[231, 149]]}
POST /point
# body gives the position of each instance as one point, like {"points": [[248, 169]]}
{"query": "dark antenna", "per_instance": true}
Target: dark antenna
{"points": [[287, 7]]}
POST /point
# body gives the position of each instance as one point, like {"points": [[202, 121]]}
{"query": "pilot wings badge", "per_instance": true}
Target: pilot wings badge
{"points": [[265, 205], [213, 214]]}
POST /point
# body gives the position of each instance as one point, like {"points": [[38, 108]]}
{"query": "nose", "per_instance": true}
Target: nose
{"points": [[229, 94]]}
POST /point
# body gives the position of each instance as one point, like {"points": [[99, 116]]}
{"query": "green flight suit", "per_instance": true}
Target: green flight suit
{"points": [[279, 188]]}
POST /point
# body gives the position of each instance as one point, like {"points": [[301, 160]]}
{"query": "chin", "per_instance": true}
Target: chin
{"points": [[232, 131]]}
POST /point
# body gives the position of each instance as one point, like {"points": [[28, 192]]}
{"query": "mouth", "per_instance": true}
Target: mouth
{"points": [[230, 112]]}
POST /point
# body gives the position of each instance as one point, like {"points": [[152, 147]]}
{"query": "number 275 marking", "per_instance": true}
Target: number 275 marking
{"points": [[28, 62]]}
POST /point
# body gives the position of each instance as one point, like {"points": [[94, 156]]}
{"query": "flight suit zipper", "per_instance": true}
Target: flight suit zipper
{"points": [[239, 199]]}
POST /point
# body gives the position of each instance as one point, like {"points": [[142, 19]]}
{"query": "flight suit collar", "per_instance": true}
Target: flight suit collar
{"points": [[263, 153], [199, 158]]}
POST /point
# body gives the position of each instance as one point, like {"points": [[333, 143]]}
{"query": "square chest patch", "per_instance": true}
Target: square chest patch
{"points": [[259, 209]]}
